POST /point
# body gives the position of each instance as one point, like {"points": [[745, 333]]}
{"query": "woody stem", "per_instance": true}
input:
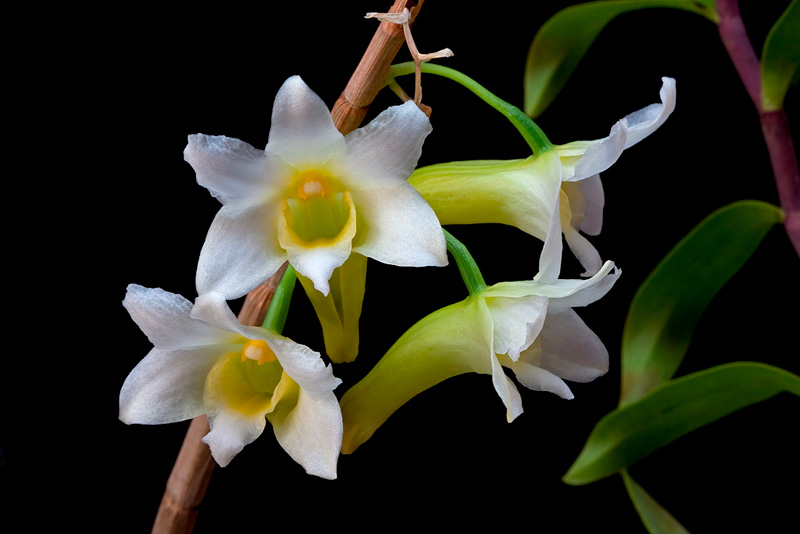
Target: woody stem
{"points": [[192, 471]]}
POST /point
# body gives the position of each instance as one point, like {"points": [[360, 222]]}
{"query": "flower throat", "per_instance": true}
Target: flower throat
{"points": [[317, 210]]}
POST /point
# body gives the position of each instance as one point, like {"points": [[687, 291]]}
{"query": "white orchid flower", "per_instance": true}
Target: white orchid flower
{"points": [[529, 327], [520, 192], [204, 361], [314, 196]]}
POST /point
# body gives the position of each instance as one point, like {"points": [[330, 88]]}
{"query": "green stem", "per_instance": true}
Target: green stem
{"points": [[533, 135], [470, 273], [279, 307]]}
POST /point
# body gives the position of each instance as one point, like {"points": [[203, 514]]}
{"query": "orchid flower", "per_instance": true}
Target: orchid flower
{"points": [[316, 198], [528, 327], [520, 192], [204, 361]]}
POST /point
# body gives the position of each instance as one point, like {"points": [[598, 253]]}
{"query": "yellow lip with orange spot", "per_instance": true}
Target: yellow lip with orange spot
{"points": [[317, 212]]}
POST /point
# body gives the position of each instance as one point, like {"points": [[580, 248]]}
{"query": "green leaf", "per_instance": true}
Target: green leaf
{"points": [[654, 517], [668, 305], [780, 58], [672, 410], [563, 40]]}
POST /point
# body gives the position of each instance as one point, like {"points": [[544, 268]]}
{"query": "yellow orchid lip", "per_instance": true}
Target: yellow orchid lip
{"points": [[317, 220], [247, 386]]}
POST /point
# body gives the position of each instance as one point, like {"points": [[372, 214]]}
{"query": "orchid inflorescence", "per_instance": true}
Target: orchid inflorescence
{"points": [[326, 203]]}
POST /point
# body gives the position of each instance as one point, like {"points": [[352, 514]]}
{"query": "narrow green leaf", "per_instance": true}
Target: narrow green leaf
{"points": [[563, 40], [668, 305], [654, 517], [672, 410], [780, 58]]}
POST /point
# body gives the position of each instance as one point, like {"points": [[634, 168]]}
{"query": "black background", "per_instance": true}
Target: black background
{"points": [[106, 111]]}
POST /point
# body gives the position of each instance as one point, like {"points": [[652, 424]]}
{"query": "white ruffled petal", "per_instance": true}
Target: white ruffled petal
{"points": [[647, 120], [302, 131], [516, 322], [318, 263], [311, 433], [562, 292], [570, 349], [303, 365], [167, 386], [401, 228], [230, 432], [583, 159], [234, 171], [236, 406], [601, 154], [239, 252], [385, 152], [584, 292], [164, 318]]}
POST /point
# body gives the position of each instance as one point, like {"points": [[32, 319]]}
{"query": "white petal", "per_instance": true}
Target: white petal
{"points": [[303, 365], [586, 253], [647, 120], [167, 386], [318, 263], [234, 171], [236, 410], [506, 389], [212, 308], [570, 349], [586, 202], [563, 292], [302, 131], [239, 252], [401, 228], [538, 379], [552, 250], [585, 292], [230, 432], [517, 322], [312, 433], [600, 155], [385, 152], [164, 318]]}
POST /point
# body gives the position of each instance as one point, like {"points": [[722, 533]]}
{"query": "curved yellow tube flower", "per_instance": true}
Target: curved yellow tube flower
{"points": [[520, 192], [528, 327]]}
